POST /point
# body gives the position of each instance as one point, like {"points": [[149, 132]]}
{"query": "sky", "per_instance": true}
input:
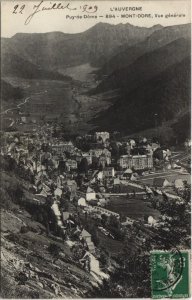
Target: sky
{"points": [[60, 19]]}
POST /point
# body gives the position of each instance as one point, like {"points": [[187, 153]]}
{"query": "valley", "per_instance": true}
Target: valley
{"points": [[105, 78], [53, 101]]}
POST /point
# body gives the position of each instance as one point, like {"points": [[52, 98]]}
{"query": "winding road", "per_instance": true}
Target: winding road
{"points": [[18, 106], [22, 103]]}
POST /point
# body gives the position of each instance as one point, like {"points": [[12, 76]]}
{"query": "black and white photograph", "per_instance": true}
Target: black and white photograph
{"points": [[95, 158]]}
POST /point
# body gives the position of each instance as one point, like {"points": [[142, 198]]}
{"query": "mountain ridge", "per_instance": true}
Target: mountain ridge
{"points": [[167, 94], [98, 25], [145, 66], [13, 65], [154, 41], [57, 49]]}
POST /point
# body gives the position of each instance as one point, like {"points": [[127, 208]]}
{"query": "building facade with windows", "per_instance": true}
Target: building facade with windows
{"points": [[59, 148], [138, 162]]}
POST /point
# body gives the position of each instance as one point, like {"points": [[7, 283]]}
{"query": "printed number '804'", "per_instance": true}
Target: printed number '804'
{"points": [[110, 16]]}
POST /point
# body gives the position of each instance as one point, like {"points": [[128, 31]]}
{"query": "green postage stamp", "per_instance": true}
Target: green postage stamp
{"points": [[170, 274]]}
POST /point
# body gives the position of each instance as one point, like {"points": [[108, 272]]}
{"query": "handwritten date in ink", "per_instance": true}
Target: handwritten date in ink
{"points": [[18, 9], [89, 9], [48, 6]]}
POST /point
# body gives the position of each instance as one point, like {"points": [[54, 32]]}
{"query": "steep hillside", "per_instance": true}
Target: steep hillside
{"points": [[146, 67], [157, 39], [57, 49], [182, 127], [9, 92], [166, 94], [28, 268], [14, 65]]}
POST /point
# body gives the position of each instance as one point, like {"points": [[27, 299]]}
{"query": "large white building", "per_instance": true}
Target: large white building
{"points": [[138, 162], [60, 147]]}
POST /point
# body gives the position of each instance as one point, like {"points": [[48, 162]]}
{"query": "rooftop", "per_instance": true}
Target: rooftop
{"points": [[90, 190], [85, 233]]}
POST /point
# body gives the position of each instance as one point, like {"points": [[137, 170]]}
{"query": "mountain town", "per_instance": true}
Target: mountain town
{"points": [[95, 194], [95, 156]]}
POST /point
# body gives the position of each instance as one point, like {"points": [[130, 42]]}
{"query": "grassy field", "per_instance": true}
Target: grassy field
{"points": [[59, 101], [81, 72], [112, 246], [135, 208]]}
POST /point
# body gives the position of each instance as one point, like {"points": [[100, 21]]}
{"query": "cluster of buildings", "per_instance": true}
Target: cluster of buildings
{"points": [[61, 162], [52, 164], [83, 170]]}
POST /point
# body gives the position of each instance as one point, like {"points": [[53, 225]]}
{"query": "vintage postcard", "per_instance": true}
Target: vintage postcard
{"points": [[95, 155]]}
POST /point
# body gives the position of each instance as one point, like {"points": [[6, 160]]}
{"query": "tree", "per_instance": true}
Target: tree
{"points": [[175, 218], [64, 203], [95, 162], [158, 154], [62, 166], [123, 218], [21, 278], [31, 147], [16, 193], [95, 237], [44, 147], [104, 260], [100, 167], [11, 166], [79, 180], [103, 219], [54, 250], [114, 149], [5, 199], [83, 166], [78, 251]]}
